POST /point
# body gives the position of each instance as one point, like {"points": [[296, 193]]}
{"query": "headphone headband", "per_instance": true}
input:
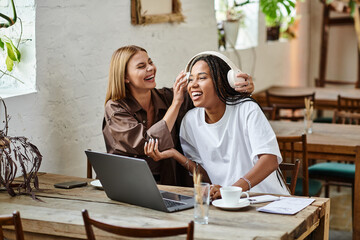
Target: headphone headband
{"points": [[217, 54], [232, 73]]}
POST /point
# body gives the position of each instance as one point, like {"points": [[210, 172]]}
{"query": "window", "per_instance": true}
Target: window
{"points": [[25, 71], [246, 33]]}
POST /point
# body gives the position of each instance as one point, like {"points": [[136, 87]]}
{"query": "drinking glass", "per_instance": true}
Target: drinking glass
{"points": [[308, 122], [202, 202]]}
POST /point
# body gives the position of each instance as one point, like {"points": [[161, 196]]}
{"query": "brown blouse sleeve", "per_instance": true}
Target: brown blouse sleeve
{"points": [[124, 133]]}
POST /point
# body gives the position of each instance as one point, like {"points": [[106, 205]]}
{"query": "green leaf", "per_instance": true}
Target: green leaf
{"points": [[2, 44], [9, 64], [13, 52], [352, 6], [288, 9]]}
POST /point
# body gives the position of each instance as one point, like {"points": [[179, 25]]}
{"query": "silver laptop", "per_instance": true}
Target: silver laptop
{"points": [[130, 180]]}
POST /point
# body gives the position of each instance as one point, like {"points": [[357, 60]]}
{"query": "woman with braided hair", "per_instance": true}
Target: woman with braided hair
{"points": [[226, 134]]}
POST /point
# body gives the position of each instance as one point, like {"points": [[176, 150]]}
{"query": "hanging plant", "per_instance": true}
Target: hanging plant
{"points": [[18, 155]]}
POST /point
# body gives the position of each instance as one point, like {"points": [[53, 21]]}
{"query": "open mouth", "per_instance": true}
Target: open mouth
{"points": [[150, 78], [196, 95]]}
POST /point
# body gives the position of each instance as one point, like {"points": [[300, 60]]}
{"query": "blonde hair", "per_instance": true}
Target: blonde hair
{"points": [[116, 89]]}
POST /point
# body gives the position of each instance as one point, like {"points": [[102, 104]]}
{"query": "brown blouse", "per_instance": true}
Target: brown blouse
{"points": [[125, 132]]}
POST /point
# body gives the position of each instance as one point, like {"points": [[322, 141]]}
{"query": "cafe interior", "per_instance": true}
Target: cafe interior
{"points": [[303, 57]]}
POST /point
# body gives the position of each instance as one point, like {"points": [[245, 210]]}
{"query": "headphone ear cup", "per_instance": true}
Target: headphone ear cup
{"points": [[231, 78]]}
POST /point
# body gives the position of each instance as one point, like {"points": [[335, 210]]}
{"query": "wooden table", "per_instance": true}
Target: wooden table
{"points": [[325, 98], [58, 216], [330, 142]]}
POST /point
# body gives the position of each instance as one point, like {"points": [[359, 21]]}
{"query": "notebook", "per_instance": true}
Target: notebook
{"points": [[130, 180]]}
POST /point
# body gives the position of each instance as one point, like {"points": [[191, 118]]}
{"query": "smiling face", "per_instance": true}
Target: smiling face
{"points": [[201, 87], [140, 74]]}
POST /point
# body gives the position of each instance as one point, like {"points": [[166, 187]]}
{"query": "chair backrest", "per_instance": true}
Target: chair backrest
{"points": [[348, 104], [89, 169], [293, 148], [344, 117], [15, 220], [348, 111], [293, 168], [331, 20], [294, 104], [135, 232], [270, 112]]}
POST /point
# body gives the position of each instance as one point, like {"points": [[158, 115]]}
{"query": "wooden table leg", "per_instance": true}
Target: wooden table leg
{"points": [[322, 231]]}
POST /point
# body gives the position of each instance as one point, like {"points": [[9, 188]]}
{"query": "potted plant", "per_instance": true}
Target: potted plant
{"points": [[231, 18], [278, 16]]}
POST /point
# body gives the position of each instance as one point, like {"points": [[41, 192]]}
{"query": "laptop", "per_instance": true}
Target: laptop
{"points": [[129, 180]]}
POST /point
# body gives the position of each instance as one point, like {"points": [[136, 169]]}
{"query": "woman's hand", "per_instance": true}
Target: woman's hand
{"points": [[215, 192], [179, 87], [247, 87], [151, 149]]}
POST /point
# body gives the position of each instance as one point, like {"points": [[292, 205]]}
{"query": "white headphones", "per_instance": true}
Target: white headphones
{"points": [[231, 75]]}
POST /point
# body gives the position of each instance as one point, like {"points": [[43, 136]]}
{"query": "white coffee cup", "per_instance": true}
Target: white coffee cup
{"points": [[231, 195]]}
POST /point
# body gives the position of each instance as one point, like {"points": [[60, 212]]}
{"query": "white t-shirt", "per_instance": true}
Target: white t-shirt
{"points": [[229, 148]]}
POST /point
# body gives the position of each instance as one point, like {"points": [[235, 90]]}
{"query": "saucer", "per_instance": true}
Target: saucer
{"points": [[221, 204], [97, 184]]}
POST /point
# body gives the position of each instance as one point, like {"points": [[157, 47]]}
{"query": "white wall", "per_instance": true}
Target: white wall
{"points": [[74, 43]]}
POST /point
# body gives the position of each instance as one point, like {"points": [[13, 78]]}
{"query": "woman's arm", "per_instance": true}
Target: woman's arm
{"points": [[123, 133], [151, 149], [265, 165]]}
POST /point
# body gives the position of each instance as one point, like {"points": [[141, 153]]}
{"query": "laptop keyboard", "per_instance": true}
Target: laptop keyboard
{"points": [[170, 203]]}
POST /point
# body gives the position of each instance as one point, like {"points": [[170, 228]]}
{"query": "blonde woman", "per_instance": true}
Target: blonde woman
{"points": [[137, 112]]}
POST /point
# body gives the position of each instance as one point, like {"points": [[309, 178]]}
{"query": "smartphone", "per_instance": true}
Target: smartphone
{"points": [[71, 184]]}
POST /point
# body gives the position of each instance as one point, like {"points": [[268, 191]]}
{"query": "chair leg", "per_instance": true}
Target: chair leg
{"points": [[352, 203], [327, 190]]}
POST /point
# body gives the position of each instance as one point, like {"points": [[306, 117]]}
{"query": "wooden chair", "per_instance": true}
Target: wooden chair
{"points": [[294, 104], [135, 232], [293, 148], [293, 168], [348, 104], [344, 117], [15, 220], [337, 173], [270, 112], [330, 21], [89, 168]]}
